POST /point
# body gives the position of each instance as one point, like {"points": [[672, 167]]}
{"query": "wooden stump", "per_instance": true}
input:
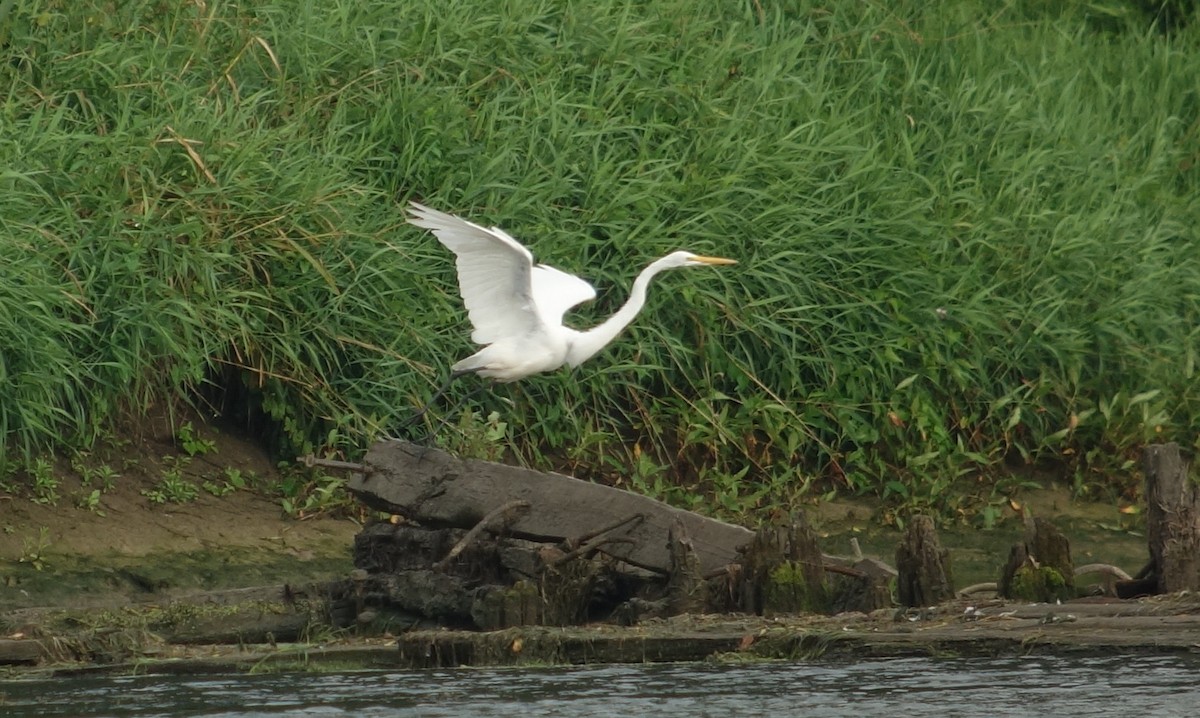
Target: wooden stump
{"points": [[497, 607], [1040, 569], [686, 589], [1172, 519], [923, 566], [870, 587], [783, 571]]}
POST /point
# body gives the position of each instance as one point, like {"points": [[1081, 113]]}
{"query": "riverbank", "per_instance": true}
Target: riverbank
{"points": [[233, 582], [1160, 625]]}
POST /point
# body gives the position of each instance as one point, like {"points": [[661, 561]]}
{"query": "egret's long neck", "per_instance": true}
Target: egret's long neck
{"points": [[586, 344]]}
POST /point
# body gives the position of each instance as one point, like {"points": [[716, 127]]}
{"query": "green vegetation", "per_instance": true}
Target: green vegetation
{"points": [[310, 492], [967, 230], [33, 551], [192, 444], [173, 487], [788, 591], [1040, 584]]}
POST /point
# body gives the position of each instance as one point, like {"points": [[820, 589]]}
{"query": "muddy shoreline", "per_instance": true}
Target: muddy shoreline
{"points": [[262, 629], [229, 584]]}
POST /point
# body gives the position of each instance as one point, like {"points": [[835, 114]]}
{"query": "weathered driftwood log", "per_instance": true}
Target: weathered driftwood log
{"points": [[923, 566], [23, 650], [437, 489], [1040, 568], [1172, 519]]}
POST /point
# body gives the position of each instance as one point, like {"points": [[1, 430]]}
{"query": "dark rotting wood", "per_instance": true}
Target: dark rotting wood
{"points": [[865, 586], [923, 566], [22, 650], [844, 570], [498, 518], [591, 552], [686, 588], [569, 590], [783, 571], [1040, 568], [497, 607], [1172, 519]]}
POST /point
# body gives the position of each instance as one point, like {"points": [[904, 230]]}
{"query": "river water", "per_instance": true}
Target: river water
{"points": [[899, 688]]}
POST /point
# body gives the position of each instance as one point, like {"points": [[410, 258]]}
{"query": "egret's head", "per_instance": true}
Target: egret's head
{"points": [[687, 259]]}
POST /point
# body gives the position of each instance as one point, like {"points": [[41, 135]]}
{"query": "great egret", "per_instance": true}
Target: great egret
{"points": [[516, 307]]}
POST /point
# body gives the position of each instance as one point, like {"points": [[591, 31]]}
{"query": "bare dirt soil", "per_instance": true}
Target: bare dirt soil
{"points": [[128, 547]]}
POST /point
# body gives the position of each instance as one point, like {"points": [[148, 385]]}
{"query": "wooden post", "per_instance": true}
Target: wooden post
{"points": [[1040, 568], [1172, 519], [923, 566], [783, 571], [686, 589]]}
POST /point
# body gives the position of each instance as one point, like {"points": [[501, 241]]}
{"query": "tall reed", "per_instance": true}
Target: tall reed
{"points": [[967, 234]]}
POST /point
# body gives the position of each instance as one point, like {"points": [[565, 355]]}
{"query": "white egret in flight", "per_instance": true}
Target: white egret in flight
{"points": [[516, 307]]}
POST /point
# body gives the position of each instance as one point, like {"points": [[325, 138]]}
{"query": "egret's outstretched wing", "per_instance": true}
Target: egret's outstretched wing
{"points": [[504, 292], [555, 291], [494, 274]]}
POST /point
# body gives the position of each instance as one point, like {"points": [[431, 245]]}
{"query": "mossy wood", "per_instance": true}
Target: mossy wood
{"points": [[783, 571], [1172, 519], [1040, 568], [437, 489]]}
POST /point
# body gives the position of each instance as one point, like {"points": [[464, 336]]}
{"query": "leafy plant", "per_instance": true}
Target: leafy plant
{"points": [[232, 480], [33, 552], [173, 487], [476, 438], [102, 474], [191, 443], [90, 500], [307, 493], [45, 483]]}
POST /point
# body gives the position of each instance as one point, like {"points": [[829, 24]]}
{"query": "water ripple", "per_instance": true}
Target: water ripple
{"points": [[919, 687]]}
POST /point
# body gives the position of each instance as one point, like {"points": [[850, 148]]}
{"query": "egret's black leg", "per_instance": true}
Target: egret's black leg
{"points": [[463, 400], [443, 420], [432, 400]]}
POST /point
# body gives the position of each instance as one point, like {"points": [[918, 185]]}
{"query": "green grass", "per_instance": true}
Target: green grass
{"points": [[967, 231]]}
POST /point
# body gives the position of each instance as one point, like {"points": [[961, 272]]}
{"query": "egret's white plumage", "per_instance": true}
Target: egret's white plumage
{"points": [[516, 307]]}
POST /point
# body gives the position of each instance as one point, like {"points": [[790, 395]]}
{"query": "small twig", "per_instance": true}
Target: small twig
{"points": [[310, 461], [580, 540], [497, 517], [186, 144], [990, 586], [845, 571], [1104, 568], [728, 569], [587, 548]]}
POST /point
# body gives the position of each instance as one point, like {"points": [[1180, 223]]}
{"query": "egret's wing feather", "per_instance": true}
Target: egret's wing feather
{"points": [[555, 291], [494, 274]]}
